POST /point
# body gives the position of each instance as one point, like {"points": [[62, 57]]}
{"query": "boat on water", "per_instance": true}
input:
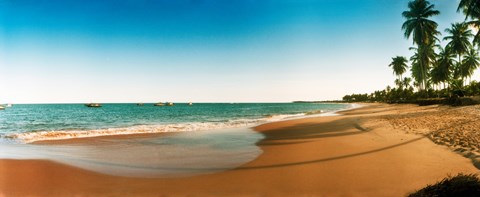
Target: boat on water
{"points": [[139, 104], [190, 104], [159, 104], [2, 107], [9, 105], [164, 104], [93, 105]]}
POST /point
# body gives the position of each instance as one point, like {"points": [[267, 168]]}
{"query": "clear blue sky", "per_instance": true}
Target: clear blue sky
{"points": [[200, 50]]}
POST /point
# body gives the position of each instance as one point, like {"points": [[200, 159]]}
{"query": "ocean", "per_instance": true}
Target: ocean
{"points": [[34, 122], [199, 139]]}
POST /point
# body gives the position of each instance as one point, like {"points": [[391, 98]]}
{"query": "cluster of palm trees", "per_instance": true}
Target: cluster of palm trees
{"points": [[429, 68], [434, 68]]}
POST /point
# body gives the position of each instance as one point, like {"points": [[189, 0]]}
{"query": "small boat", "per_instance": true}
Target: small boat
{"points": [[190, 104], [139, 104], [170, 104], [93, 105], [2, 107], [9, 105], [159, 104]]}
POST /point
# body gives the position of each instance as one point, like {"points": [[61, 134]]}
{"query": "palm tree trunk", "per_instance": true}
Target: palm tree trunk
{"points": [[424, 76], [461, 68]]}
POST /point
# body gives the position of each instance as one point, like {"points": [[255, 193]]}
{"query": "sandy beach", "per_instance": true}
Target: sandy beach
{"points": [[376, 150]]}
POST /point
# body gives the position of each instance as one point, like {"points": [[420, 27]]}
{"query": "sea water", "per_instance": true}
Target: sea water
{"points": [[208, 137]]}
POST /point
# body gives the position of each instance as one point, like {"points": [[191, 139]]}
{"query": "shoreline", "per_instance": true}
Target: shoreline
{"points": [[330, 155], [44, 137]]}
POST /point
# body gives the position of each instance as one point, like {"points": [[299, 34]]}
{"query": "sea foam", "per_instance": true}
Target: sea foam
{"points": [[29, 137]]}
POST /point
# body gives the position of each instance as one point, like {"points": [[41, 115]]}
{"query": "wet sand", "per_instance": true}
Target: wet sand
{"points": [[362, 153]]}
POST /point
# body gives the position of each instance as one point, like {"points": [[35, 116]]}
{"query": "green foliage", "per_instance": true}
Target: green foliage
{"points": [[470, 63], [422, 62], [418, 25], [389, 95], [406, 94], [423, 32], [460, 185], [459, 38], [399, 65], [472, 89], [471, 9], [459, 43], [434, 76], [356, 98], [424, 35]]}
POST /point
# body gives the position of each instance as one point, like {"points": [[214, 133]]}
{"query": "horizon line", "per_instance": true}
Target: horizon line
{"points": [[226, 102]]}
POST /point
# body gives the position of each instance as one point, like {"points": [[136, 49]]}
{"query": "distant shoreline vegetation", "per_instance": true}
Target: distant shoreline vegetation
{"points": [[437, 75], [333, 101]]}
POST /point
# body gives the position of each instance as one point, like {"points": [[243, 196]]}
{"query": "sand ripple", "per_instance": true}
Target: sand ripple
{"points": [[455, 127]]}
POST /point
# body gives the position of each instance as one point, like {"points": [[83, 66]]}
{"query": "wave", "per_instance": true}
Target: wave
{"points": [[29, 137], [314, 112], [278, 117]]}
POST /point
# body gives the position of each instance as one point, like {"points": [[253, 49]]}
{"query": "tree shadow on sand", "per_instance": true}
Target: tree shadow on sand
{"points": [[331, 158], [307, 132]]}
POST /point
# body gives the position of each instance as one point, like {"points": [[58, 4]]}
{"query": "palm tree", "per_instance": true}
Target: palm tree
{"points": [[423, 59], [416, 71], [417, 75], [399, 66], [470, 63], [436, 75], [406, 82], [471, 9], [459, 36], [423, 31], [418, 25], [445, 65], [399, 83]]}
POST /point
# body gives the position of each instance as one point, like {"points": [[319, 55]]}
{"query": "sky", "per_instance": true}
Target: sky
{"points": [[66, 51]]}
